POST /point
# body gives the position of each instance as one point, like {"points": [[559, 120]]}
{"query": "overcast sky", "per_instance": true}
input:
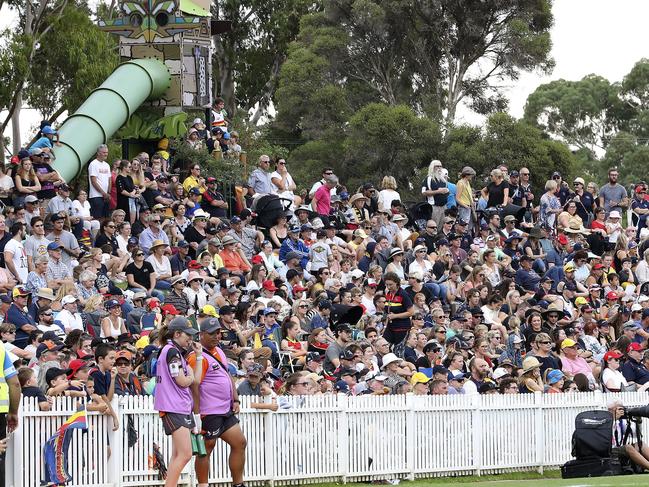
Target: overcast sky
{"points": [[589, 36]]}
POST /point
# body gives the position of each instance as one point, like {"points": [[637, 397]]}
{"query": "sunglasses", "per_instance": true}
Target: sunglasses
{"points": [[139, 254], [110, 226], [545, 343], [303, 306]]}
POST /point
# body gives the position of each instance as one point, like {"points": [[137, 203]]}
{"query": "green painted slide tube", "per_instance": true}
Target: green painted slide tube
{"points": [[106, 110]]}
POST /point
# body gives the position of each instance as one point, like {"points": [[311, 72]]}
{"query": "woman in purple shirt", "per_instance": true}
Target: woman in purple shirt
{"points": [[173, 395]]}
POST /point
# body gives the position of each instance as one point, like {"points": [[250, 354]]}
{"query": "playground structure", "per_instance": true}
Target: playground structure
{"points": [[165, 49]]}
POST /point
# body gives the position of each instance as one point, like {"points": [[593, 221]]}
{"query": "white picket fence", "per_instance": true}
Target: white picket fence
{"points": [[325, 438]]}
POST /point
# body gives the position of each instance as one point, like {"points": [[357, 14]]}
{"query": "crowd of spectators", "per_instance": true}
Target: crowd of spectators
{"points": [[501, 289]]}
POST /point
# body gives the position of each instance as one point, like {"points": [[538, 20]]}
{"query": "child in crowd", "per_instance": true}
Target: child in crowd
{"points": [[29, 386]]}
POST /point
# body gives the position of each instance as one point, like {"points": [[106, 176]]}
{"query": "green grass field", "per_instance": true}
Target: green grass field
{"points": [[621, 481], [551, 478]]}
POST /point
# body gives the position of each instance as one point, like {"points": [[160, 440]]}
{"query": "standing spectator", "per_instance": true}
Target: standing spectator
{"points": [[326, 172], [322, 198], [284, 184], [217, 402], [100, 184], [550, 206], [127, 192], [497, 191], [435, 190], [613, 196], [173, 396], [399, 307], [388, 193], [584, 200], [464, 196], [14, 254], [259, 181]]}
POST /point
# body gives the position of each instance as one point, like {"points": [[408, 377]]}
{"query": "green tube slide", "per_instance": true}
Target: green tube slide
{"points": [[106, 110]]}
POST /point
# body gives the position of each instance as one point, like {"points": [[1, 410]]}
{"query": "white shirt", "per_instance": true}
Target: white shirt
{"points": [[161, 268], [81, 210], [101, 170], [386, 196], [69, 321], [19, 258], [369, 305], [615, 377], [288, 181]]}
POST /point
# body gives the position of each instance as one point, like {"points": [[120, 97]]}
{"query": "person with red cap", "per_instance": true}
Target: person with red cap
{"points": [[634, 370]]}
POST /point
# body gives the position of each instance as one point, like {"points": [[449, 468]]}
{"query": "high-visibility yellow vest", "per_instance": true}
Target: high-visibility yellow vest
{"points": [[4, 388]]}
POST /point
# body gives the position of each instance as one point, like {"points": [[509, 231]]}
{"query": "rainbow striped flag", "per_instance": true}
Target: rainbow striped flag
{"points": [[55, 450]]}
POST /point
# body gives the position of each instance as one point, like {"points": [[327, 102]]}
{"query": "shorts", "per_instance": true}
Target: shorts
{"points": [[214, 425], [173, 421], [99, 207]]}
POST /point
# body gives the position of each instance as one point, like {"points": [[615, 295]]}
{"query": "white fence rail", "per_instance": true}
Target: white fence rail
{"points": [[324, 438]]}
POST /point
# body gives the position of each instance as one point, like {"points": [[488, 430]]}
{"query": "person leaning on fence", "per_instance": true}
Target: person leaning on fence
{"points": [[215, 404], [173, 397]]}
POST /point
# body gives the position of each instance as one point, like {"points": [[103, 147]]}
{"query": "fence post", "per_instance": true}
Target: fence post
{"points": [[116, 440], [343, 437], [539, 431], [476, 402], [410, 435], [270, 439], [14, 463]]}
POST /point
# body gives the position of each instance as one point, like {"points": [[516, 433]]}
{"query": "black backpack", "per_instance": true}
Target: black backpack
{"points": [[593, 436]]}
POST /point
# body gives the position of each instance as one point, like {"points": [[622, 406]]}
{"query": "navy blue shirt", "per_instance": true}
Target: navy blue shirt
{"points": [[528, 280], [102, 381], [635, 372]]}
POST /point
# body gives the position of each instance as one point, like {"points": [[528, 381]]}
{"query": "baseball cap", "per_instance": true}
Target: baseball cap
{"points": [[568, 342], [180, 323], [68, 299], [210, 325], [499, 373], [75, 366], [268, 311], [255, 369], [227, 310], [612, 354], [20, 291], [182, 244], [419, 378], [635, 346], [48, 346], [360, 233], [125, 354], [346, 354], [111, 303], [30, 198], [169, 309], [53, 373], [209, 310], [53, 246], [269, 286]]}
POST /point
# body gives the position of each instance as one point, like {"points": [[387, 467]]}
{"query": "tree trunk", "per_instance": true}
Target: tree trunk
{"points": [[268, 92], [225, 86], [16, 141]]}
